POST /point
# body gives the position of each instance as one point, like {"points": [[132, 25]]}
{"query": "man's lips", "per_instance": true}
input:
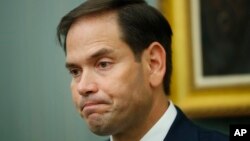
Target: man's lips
{"points": [[90, 107], [88, 104]]}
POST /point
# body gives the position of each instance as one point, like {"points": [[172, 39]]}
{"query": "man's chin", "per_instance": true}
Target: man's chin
{"points": [[100, 130], [97, 124]]}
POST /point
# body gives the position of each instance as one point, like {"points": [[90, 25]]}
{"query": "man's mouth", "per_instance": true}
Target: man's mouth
{"points": [[88, 104], [92, 107]]}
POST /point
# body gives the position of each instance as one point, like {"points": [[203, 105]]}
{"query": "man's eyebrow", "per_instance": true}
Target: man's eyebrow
{"points": [[70, 65], [97, 54]]}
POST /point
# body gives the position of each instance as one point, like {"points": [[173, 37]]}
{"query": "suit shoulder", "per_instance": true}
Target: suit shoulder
{"points": [[210, 135]]}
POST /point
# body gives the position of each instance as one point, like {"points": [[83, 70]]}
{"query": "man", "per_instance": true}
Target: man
{"points": [[118, 53]]}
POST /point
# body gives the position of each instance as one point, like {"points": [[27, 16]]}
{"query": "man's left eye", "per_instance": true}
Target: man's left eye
{"points": [[104, 65]]}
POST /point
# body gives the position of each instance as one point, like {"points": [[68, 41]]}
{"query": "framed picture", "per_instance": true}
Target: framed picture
{"points": [[221, 45], [199, 87]]}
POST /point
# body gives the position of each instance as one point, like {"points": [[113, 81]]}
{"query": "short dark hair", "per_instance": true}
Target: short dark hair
{"points": [[140, 25]]}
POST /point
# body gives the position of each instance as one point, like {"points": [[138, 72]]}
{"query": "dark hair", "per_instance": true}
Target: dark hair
{"points": [[140, 25]]}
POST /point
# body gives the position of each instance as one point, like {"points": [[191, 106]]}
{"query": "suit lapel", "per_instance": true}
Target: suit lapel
{"points": [[182, 129]]}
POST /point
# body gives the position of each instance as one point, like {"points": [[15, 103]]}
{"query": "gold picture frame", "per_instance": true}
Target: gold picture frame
{"points": [[197, 101]]}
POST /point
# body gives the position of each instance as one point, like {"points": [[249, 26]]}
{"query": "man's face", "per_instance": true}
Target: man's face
{"points": [[110, 89]]}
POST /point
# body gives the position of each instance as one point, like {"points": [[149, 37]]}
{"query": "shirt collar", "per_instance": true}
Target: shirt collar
{"points": [[162, 126]]}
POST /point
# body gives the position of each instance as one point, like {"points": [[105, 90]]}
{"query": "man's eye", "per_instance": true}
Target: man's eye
{"points": [[104, 65], [75, 72]]}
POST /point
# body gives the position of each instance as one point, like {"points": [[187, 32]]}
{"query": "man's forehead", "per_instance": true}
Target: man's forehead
{"points": [[94, 35]]}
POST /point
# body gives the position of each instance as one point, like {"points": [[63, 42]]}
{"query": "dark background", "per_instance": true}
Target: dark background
{"points": [[225, 37]]}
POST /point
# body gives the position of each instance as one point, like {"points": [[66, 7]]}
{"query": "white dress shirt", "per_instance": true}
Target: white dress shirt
{"points": [[159, 131]]}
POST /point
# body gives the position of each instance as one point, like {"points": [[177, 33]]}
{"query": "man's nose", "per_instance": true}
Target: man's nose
{"points": [[87, 85]]}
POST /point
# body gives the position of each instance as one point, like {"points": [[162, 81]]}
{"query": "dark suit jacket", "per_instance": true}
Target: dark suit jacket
{"points": [[183, 129]]}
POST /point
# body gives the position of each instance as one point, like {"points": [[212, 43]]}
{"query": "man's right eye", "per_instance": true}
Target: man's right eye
{"points": [[75, 72]]}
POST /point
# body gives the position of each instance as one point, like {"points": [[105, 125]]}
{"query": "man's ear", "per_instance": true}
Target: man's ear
{"points": [[157, 63]]}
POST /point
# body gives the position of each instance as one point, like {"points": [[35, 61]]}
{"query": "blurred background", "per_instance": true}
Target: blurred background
{"points": [[35, 100]]}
